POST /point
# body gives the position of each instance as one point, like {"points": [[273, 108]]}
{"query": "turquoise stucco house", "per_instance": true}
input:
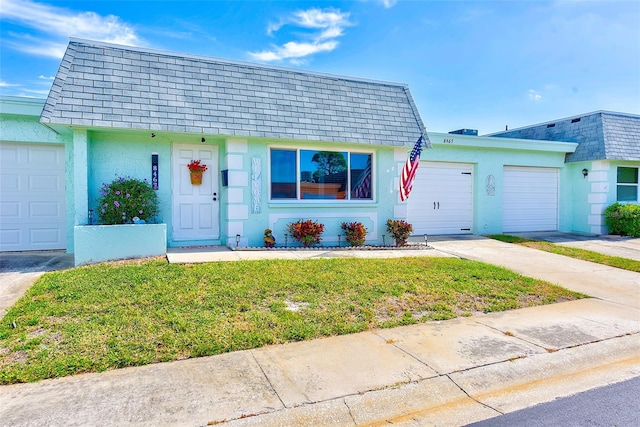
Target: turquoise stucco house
{"points": [[268, 136]]}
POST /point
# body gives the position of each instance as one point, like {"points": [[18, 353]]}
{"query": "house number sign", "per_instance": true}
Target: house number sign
{"points": [[154, 170], [448, 140]]}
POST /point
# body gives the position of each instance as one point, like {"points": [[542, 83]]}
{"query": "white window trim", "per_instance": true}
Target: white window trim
{"points": [[298, 200]]}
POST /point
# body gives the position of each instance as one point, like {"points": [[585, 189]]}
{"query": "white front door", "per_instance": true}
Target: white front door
{"points": [[196, 208], [441, 201]]}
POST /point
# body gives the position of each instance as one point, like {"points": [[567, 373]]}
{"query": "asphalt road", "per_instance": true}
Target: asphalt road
{"points": [[615, 405]]}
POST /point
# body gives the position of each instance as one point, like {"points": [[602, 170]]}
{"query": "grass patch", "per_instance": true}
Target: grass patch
{"points": [[108, 316], [612, 261]]}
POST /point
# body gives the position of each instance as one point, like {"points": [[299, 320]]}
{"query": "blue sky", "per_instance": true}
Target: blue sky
{"points": [[475, 64]]}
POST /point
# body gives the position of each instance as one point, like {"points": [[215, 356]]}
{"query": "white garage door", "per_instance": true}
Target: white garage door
{"points": [[530, 199], [441, 201], [32, 199]]}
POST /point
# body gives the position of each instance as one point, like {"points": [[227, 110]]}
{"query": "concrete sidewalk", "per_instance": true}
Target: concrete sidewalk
{"points": [[222, 253], [442, 373], [621, 246]]}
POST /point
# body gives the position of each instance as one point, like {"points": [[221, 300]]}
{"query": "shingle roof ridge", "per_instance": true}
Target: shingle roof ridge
{"points": [[601, 112], [616, 113], [54, 93], [249, 64], [416, 114]]}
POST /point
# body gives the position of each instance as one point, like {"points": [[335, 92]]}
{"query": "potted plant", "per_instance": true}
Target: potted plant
{"points": [[307, 232], [355, 232], [400, 230], [196, 168]]}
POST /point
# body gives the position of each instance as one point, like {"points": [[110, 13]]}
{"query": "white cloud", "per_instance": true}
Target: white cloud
{"points": [[326, 25], [27, 43], [5, 84], [295, 50], [56, 24], [321, 18], [534, 95], [272, 28], [387, 4]]}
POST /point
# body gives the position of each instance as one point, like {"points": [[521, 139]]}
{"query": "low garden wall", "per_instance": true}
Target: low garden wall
{"points": [[97, 243]]}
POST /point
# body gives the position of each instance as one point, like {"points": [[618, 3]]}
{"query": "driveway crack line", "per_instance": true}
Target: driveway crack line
{"points": [[350, 413], [473, 398], [408, 354], [266, 377]]}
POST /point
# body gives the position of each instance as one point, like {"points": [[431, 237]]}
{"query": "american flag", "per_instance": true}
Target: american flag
{"points": [[409, 170], [362, 188]]}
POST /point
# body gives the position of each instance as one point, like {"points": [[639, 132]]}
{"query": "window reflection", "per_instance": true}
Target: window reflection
{"points": [[323, 174], [320, 174], [627, 190], [283, 174], [360, 176]]}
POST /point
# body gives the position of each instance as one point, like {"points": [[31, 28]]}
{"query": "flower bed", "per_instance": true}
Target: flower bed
{"points": [[409, 246]]}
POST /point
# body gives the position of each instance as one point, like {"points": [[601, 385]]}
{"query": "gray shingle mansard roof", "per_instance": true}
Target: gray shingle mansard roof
{"points": [[109, 86], [602, 135]]}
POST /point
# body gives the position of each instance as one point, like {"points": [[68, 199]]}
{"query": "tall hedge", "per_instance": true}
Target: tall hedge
{"points": [[623, 219]]}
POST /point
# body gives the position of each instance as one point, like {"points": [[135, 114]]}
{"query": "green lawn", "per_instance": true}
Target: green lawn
{"points": [[613, 261], [133, 313]]}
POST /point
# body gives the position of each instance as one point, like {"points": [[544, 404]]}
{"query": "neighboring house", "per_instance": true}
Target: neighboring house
{"points": [[485, 185], [607, 157], [280, 145]]}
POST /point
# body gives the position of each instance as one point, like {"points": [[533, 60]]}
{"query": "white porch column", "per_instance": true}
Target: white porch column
{"points": [[237, 207]]}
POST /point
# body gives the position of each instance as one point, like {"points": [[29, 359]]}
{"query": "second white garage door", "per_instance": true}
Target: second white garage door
{"points": [[32, 197], [441, 201], [530, 199]]}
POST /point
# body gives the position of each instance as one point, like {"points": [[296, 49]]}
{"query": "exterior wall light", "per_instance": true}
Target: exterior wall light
{"points": [[585, 172]]}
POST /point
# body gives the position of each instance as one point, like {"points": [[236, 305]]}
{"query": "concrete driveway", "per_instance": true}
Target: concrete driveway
{"points": [[19, 270]]}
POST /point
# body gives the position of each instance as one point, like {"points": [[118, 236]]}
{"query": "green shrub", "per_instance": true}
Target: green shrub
{"points": [[127, 200], [623, 219]]}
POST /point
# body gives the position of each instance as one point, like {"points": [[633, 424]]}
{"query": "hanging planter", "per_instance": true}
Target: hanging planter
{"points": [[196, 169], [196, 177]]}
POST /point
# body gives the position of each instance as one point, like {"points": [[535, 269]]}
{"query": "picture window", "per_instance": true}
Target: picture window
{"points": [[302, 174]]}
